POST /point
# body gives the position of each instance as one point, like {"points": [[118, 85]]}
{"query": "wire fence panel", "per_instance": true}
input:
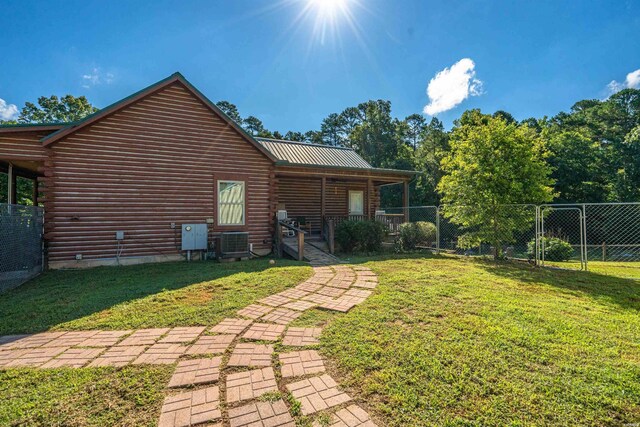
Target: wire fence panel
{"points": [[613, 232], [559, 235], [562, 236], [21, 254]]}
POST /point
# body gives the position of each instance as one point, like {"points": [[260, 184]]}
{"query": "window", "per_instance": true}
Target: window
{"points": [[231, 203], [356, 202]]}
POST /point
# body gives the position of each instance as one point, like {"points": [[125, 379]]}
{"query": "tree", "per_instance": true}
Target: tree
{"points": [[578, 166], [506, 116], [294, 136], [606, 127], [230, 110], [254, 127], [374, 136], [416, 126], [432, 147], [56, 110], [313, 137], [493, 163], [332, 130]]}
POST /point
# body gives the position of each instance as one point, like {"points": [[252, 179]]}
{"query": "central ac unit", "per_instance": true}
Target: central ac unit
{"points": [[234, 245]]}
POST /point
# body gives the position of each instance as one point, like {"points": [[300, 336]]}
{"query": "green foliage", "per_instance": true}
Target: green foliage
{"points": [[555, 249], [413, 234], [448, 341], [345, 235], [24, 190], [56, 110], [493, 163], [596, 153], [230, 110], [126, 396], [142, 296], [363, 236]]}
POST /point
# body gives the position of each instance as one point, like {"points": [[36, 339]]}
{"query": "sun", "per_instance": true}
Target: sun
{"points": [[328, 16], [328, 7]]}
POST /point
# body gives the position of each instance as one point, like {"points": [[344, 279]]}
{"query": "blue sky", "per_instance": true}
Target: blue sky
{"points": [[531, 58]]}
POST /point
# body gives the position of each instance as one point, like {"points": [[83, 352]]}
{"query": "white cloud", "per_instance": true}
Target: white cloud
{"points": [[451, 86], [7, 111], [96, 77], [631, 82]]}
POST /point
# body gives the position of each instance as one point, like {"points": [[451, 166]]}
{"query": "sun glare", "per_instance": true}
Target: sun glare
{"points": [[328, 13], [328, 7]]}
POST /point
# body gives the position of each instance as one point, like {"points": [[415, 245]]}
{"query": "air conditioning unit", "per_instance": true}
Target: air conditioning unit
{"points": [[234, 245]]}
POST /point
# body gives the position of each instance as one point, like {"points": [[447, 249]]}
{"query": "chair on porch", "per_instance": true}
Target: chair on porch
{"points": [[303, 224], [283, 217]]}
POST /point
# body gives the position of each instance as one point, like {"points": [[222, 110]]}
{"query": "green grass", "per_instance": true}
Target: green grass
{"points": [[629, 270], [150, 295], [462, 342], [442, 341], [129, 396]]}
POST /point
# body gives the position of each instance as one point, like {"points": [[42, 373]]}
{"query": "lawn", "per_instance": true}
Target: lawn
{"points": [[152, 295], [129, 396], [442, 341], [452, 341]]}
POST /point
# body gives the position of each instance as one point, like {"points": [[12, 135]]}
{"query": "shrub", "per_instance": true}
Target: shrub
{"points": [[555, 249], [346, 235], [369, 235], [361, 235], [413, 234]]}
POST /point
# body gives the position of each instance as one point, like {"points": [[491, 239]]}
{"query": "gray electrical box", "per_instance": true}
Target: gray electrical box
{"points": [[194, 237]]}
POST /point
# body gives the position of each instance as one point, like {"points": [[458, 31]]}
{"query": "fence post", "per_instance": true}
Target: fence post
{"points": [[536, 244], [438, 230], [604, 251], [300, 246], [584, 230]]}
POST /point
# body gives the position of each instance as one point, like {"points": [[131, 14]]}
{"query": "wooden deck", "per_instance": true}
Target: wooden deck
{"points": [[311, 252]]}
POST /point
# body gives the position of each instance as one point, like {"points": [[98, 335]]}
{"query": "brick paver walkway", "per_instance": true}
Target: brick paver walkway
{"points": [[300, 337], [301, 363], [191, 407], [237, 353], [250, 384], [261, 414], [317, 394]]}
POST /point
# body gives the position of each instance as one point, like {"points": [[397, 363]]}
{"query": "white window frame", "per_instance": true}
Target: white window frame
{"points": [[243, 203], [362, 198]]}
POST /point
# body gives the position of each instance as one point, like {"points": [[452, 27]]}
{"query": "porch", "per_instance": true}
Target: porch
{"points": [[315, 203]]}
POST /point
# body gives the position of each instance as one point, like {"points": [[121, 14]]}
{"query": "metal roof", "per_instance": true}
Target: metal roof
{"points": [[313, 154]]}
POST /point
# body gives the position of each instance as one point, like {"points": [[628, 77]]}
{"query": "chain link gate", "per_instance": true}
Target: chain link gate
{"points": [[558, 224], [21, 255], [592, 232]]}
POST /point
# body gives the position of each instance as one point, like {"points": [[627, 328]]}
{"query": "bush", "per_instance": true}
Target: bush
{"points": [[364, 236], [346, 236], [413, 234], [555, 249]]}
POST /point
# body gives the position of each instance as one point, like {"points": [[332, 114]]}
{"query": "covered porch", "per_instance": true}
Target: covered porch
{"points": [[317, 201], [19, 182]]}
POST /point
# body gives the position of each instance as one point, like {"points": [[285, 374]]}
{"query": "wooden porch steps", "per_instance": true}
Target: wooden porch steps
{"points": [[312, 253]]}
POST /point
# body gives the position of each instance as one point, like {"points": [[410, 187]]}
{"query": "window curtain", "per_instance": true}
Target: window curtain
{"points": [[230, 203]]}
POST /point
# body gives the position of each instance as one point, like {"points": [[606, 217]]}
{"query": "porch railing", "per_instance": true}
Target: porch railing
{"points": [[279, 241], [330, 222], [392, 221]]}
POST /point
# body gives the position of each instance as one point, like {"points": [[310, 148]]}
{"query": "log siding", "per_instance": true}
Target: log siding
{"points": [[141, 168]]}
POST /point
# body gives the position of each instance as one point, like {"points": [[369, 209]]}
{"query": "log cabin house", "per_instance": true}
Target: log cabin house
{"points": [[118, 185]]}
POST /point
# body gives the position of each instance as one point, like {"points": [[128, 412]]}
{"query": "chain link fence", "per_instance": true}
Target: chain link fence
{"points": [[21, 256], [560, 235]]}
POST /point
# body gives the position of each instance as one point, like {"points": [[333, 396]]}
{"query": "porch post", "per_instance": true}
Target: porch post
{"points": [[323, 188], [369, 201], [11, 185], [35, 192], [405, 200]]}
